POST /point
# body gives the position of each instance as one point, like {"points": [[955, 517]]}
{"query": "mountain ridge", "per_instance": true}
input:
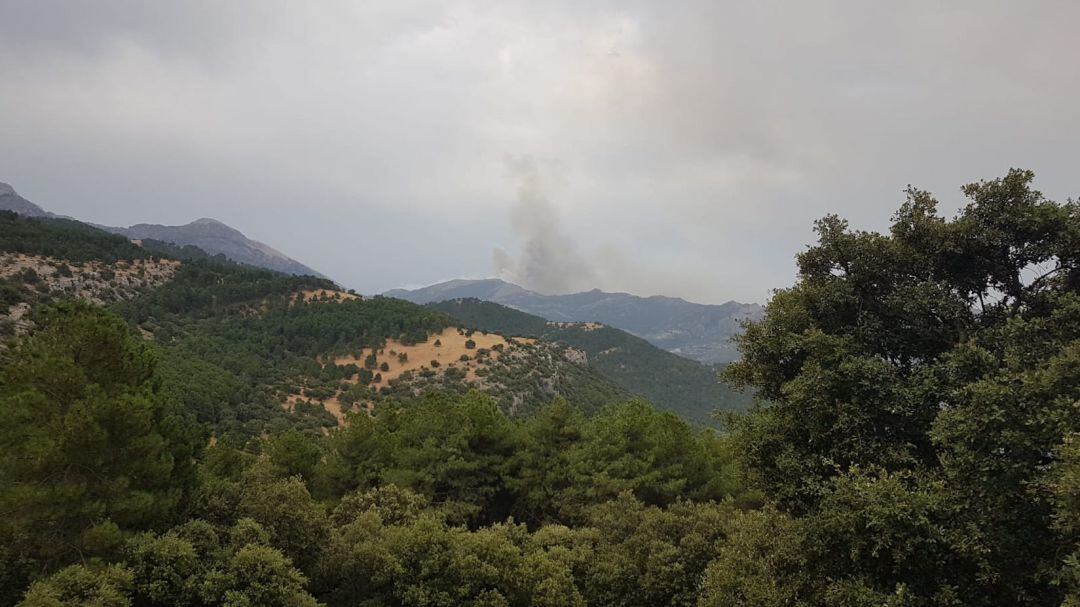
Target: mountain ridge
{"points": [[697, 331], [216, 237], [10, 200], [211, 235]]}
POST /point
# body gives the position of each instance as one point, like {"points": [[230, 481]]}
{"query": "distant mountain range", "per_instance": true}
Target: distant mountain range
{"points": [[214, 237], [11, 201], [210, 235], [698, 331]]}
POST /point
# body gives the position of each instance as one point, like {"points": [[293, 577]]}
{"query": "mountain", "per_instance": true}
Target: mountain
{"points": [[11, 201], [215, 238], [254, 349], [209, 235], [672, 382], [698, 331]]}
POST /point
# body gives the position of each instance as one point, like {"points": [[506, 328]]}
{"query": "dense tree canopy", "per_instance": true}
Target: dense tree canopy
{"points": [[87, 446], [920, 384]]}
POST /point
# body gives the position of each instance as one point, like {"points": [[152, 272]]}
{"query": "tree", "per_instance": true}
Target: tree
{"points": [[924, 378], [80, 396], [260, 575], [542, 463], [294, 453], [763, 561], [82, 585], [1065, 487], [644, 555], [632, 447], [452, 450], [296, 524], [371, 361]]}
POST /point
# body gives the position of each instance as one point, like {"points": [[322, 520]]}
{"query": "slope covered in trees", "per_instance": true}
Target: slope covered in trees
{"points": [[446, 501], [256, 353], [691, 389], [63, 239]]}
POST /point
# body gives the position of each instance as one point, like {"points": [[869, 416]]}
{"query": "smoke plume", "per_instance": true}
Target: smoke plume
{"points": [[549, 260]]}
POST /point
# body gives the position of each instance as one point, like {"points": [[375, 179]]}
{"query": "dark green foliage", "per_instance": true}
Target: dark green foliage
{"points": [[257, 535], [189, 566], [236, 342], [106, 448], [64, 239], [81, 585], [183, 253], [686, 387], [1065, 489], [921, 383], [204, 288], [466, 457]]}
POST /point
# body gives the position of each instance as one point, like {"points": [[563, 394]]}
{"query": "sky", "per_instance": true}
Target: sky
{"points": [[675, 148]]}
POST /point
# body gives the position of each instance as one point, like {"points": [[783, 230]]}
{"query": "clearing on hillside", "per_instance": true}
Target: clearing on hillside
{"points": [[448, 354], [314, 295], [454, 351]]}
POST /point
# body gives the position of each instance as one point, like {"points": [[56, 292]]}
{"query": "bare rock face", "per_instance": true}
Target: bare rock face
{"points": [[11, 201], [576, 356], [215, 238], [94, 281]]}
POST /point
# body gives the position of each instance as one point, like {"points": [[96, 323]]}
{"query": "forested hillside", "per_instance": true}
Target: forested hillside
{"points": [[917, 443], [690, 389], [256, 350]]}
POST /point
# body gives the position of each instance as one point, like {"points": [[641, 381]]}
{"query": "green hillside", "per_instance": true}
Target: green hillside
{"points": [[242, 345], [686, 387]]}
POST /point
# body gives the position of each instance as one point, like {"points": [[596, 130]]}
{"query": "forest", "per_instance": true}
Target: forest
{"points": [[915, 441]]}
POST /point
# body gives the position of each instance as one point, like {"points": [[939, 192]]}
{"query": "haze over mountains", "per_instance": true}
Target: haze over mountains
{"points": [[698, 331], [215, 237], [210, 235]]}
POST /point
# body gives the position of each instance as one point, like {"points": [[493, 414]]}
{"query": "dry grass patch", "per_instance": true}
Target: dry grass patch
{"points": [[332, 405], [323, 295], [446, 348], [452, 348]]}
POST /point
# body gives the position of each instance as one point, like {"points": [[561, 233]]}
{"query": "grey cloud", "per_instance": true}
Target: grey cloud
{"points": [[697, 140]]}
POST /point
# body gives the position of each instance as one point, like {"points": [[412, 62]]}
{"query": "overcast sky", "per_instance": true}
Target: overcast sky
{"points": [[678, 148]]}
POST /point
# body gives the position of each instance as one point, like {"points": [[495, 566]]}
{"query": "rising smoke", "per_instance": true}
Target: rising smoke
{"points": [[549, 261]]}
